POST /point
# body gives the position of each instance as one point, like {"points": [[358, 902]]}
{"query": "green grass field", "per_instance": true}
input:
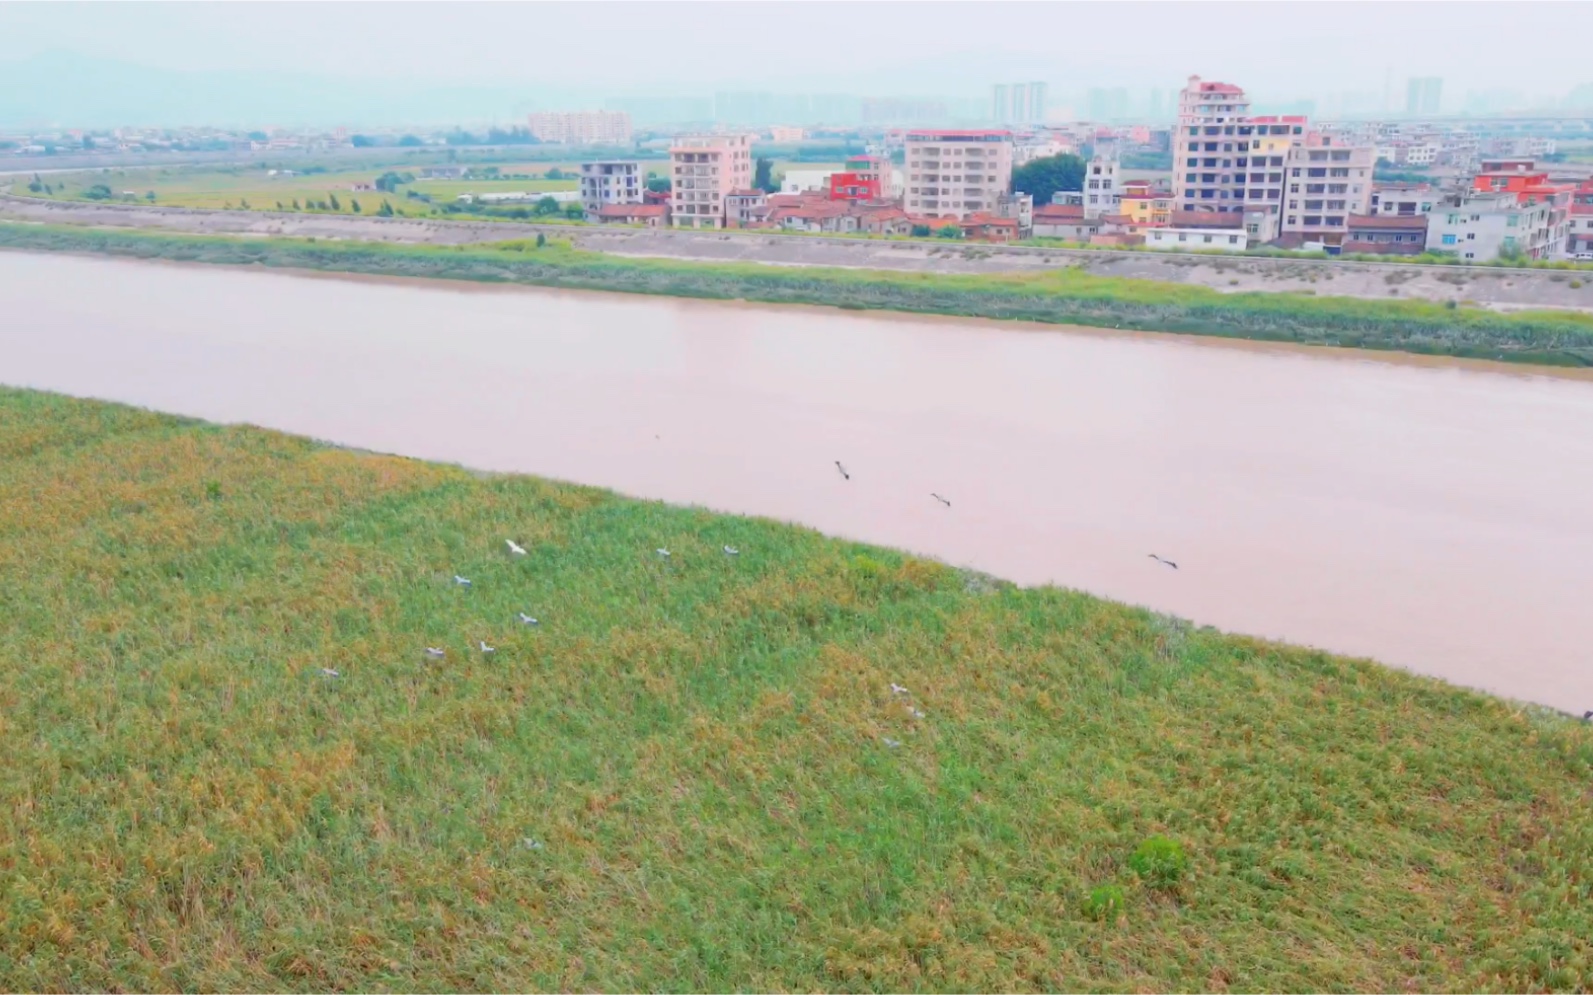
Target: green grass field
{"points": [[235, 187], [694, 774]]}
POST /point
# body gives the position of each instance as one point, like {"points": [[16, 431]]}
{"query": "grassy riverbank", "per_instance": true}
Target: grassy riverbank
{"points": [[694, 773], [1070, 296]]}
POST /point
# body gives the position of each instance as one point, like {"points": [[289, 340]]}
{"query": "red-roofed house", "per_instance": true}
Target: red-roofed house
{"points": [[1190, 230], [650, 215], [816, 214], [1064, 221], [989, 228], [884, 219]]}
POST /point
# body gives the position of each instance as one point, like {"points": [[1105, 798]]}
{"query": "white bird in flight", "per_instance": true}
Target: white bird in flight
{"points": [[942, 500], [732, 551], [487, 649], [892, 743], [461, 581], [527, 619], [662, 552], [329, 672], [515, 548], [436, 652], [1158, 559], [897, 688]]}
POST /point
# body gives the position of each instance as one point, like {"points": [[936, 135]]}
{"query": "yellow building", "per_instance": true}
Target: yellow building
{"points": [[1144, 207]]}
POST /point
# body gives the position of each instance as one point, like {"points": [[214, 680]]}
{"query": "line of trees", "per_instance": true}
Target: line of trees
{"points": [[1041, 178]]}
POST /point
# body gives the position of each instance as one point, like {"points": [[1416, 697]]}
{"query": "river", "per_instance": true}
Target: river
{"points": [[1429, 514]]}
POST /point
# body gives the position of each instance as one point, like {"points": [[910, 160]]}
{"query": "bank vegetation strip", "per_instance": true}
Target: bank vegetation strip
{"points": [[230, 764], [1068, 295]]}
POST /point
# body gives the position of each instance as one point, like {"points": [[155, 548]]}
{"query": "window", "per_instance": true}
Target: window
{"points": [[1206, 239], [1233, 239], [1182, 237], [1471, 236]]}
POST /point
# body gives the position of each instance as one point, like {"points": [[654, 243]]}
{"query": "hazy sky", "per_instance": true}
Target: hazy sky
{"points": [[1277, 50]]}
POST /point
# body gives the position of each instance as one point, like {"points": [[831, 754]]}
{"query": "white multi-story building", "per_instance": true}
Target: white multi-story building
{"points": [[1206, 146], [611, 182], [1479, 227], [955, 173], [703, 171], [1326, 184], [582, 127], [1102, 192]]}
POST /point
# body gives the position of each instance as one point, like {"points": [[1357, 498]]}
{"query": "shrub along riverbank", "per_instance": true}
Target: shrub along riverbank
{"points": [[1067, 296], [229, 763]]}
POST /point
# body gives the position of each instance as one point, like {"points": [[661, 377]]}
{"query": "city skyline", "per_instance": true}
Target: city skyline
{"points": [[434, 59]]}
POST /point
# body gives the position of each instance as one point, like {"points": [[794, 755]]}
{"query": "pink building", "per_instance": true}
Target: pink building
{"points": [[704, 171]]}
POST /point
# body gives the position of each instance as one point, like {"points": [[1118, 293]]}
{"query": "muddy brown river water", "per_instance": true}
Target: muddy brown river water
{"points": [[1432, 515]]}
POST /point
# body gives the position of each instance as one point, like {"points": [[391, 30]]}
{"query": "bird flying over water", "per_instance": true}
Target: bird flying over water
{"points": [[487, 649], [942, 500], [527, 619], [436, 652], [515, 548], [461, 581], [1158, 559], [841, 468]]}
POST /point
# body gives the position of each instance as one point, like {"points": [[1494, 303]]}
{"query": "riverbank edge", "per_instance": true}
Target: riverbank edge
{"points": [[975, 580], [1067, 296]]}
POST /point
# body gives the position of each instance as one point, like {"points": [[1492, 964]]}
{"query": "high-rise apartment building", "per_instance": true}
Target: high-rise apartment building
{"points": [[1327, 182], [1018, 103], [1207, 147], [1423, 94], [952, 173], [582, 127], [704, 170]]}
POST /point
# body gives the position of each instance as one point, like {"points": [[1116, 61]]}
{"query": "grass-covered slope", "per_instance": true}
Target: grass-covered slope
{"points": [[1064, 295], [684, 778]]}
